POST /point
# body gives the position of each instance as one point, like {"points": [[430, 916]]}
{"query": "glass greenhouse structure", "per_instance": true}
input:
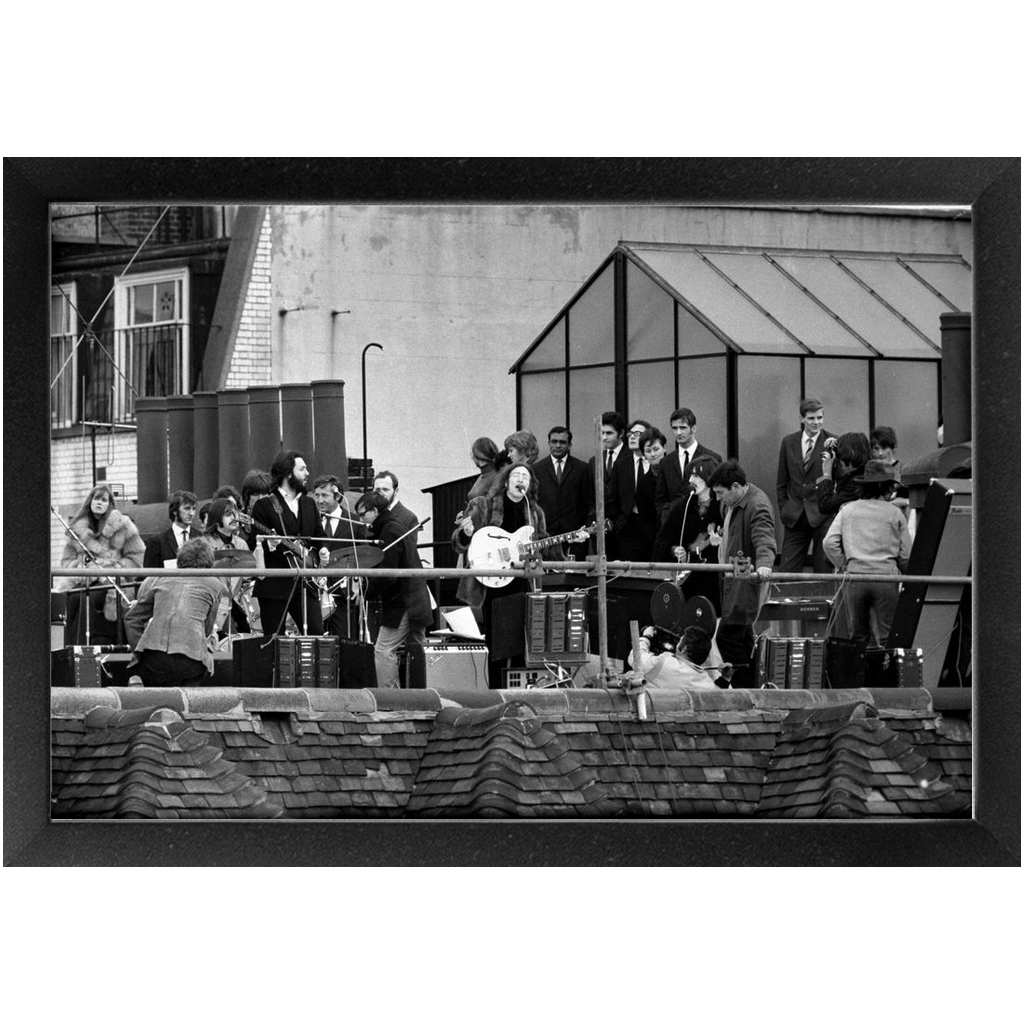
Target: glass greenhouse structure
{"points": [[739, 335]]}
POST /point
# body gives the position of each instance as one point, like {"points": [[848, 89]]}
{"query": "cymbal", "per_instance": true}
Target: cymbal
{"points": [[234, 558], [361, 557]]}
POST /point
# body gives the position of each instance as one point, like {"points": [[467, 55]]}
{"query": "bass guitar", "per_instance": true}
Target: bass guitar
{"points": [[493, 548]]}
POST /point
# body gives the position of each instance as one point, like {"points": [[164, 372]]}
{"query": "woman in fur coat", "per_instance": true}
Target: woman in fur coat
{"points": [[113, 542]]}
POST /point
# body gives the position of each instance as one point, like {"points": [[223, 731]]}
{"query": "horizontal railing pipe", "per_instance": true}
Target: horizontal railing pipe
{"points": [[614, 569]]}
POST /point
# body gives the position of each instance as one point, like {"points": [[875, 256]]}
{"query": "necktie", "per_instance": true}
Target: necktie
{"points": [[608, 463], [639, 471], [558, 471], [686, 462], [808, 445]]}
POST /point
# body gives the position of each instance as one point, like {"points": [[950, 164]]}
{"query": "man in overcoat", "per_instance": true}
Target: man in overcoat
{"points": [[748, 531]]}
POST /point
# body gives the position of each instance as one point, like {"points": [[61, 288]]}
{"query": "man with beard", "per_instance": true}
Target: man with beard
{"points": [[163, 547], [405, 601], [291, 513], [386, 483]]}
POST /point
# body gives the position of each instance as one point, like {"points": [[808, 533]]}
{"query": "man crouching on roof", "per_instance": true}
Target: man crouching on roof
{"points": [[683, 669], [172, 619]]}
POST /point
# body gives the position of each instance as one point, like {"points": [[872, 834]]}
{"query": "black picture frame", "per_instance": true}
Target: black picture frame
{"points": [[991, 186]]}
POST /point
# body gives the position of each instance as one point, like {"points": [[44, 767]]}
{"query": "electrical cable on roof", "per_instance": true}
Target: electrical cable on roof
{"points": [[629, 761]]}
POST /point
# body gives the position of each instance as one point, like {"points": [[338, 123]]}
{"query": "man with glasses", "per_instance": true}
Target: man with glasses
{"points": [[633, 540]]}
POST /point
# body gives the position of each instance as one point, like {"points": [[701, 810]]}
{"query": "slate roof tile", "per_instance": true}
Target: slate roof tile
{"points": [[542, 753]]}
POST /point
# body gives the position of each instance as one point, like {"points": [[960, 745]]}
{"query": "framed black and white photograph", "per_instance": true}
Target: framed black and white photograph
{"points": [[399, 353]]}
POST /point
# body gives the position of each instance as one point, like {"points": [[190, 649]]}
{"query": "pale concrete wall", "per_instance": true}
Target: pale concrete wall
{"points": [[455, 295]]}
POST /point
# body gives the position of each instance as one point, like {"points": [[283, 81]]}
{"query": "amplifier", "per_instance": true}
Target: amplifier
{"points": [[802, 617], [306, 661], [844, 663], [88, 666], [527, 678], [459, 666], [897, 666], [796, 608], [556, 628], [790, 663]]}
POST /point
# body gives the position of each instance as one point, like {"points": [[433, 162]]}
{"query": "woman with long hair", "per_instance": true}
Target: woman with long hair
{"points": [[840, 464], [509, 505], [483, 453], [691, 533], [107, 539]]}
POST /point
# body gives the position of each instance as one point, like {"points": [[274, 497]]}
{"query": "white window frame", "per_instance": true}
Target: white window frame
{"points": [[122, 304], [69, 378]]}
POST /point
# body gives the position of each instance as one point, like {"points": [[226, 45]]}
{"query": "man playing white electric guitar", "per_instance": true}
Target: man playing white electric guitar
{"points": [[509, 506]]}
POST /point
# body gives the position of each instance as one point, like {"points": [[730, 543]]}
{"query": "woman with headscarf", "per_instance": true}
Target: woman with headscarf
{"points": [[106, 539]]}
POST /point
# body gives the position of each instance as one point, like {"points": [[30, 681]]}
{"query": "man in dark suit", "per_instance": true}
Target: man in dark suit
{"points": [[613, 430], [799, 469], [290, 512], [404, 601], [634, 540], [674, 480], [181, 508], [564, 488], [338, 530]]}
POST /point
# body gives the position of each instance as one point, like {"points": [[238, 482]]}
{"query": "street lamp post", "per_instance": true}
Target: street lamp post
{"points": [[372, 344]]}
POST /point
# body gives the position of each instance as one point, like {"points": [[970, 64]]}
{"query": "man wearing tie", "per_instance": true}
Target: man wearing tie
{"points": [[674, 480], [181, 508], [564, 488], [613, 429], [634, 537], [799, 468], [338, 530]]}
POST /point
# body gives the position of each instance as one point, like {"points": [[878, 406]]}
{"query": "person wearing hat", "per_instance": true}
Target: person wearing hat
{"points": [[870, 535]]}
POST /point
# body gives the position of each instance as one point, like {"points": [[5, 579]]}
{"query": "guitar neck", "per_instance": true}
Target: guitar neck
{"points": [[546, 542]]}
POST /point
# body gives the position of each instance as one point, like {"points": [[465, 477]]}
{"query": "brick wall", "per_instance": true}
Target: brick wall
{"points": [[251, 360], [71, 475]]}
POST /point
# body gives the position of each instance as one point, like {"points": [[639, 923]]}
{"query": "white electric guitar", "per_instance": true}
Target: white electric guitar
{"points": [[493, 548]]}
